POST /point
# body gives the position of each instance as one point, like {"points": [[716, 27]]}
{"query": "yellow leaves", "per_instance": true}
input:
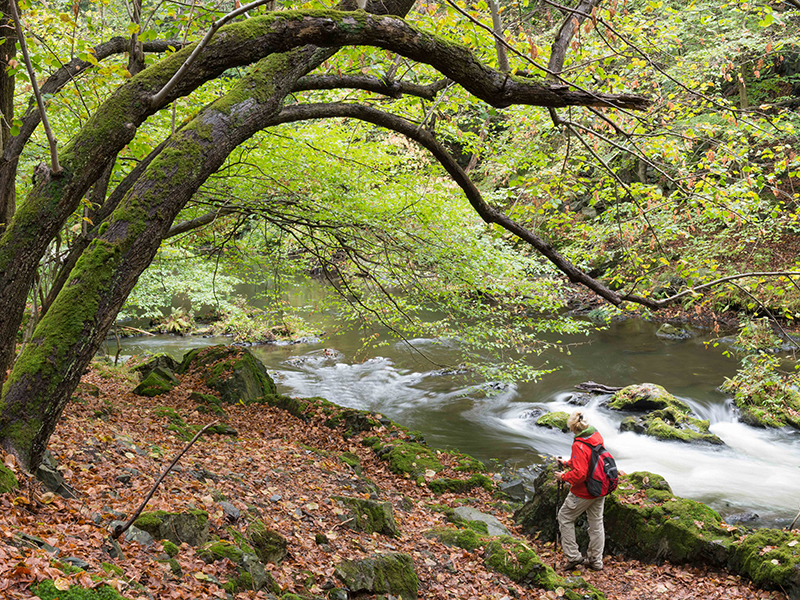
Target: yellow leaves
{"points": [[61, 584]]}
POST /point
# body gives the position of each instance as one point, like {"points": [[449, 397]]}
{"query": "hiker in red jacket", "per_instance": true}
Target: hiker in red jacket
{"points": [[579, 500]]}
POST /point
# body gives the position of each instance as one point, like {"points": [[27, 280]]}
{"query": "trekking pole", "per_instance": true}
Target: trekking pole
{"points": [[559, 487]]}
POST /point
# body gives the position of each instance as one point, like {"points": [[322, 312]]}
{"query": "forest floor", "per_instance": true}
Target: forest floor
{"points": [[113, 447]]}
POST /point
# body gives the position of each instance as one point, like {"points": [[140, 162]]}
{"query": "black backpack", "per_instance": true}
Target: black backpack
{"points": [[603, 477]]}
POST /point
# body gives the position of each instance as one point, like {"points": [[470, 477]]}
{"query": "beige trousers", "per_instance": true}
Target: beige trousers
{"points": [[573, 508]]}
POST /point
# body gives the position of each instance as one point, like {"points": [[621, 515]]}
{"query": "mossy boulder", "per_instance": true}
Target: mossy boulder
{"points": [[190, 527], [370, 516], [157, 361], [410, 458], [554, 420], [517, 561], [468, 539], [643, 397], [671, 423], [158, 381], [208, 403], [391, 573], [771, 558], [667, 417], [8, 481], [219, 550], [353, 421], [269, 545], [233, 372], [538, 515]]}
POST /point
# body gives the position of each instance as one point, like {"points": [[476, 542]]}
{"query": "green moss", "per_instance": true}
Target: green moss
{"points": [[767, 558], [8, 481], [241, 583], [171, 549], [413, 459], [645, 396], [48, 591], [149, 521], [269, 545], [520, 563], [112, 569], [214, 551], [554, 420]]}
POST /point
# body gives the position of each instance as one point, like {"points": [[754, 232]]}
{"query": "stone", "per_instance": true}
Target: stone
{"points": [[76, 562], [269, 545], [369, 516], [158, 381], [232, 514], [554, 420], [262, 579], [214, 551], [643, 397], [133, 533], [514, 489], [391, 573], [52, 480], [233, 372], [493, 526], [163, 361], [190, 527]]}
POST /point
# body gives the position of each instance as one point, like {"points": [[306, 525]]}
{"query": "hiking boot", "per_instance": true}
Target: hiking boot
{"points": [[598, 566], [571, 564]]}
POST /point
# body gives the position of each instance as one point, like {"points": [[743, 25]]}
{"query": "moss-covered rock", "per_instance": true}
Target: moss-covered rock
{"points": [[157, 361], [668, 418], [208, 403], [380, 574], [413, 459], [171, 549], [516, 560], [159, 381], [353, 421], [644, 397], [370, 516], [190, 527], [214, 551], [554, 420], [269, 545], [233, 372], [771, 558], [671, 424], [468, 539], [765, 398], [459, 486], [8, 481]]}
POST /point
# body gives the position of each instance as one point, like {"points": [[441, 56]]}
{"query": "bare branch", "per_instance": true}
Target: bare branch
{"points": [[497, 26], [393, 89], [200, 221], [158, 98], [55, 167]]}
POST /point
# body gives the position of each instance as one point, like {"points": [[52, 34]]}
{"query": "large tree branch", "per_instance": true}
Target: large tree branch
{"points": [[488, 213], [393, 89]]}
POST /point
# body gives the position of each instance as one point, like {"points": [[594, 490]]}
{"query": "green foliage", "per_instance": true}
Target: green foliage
{"points": [[48, 591]]}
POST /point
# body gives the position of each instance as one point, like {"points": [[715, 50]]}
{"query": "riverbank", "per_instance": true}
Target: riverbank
{"points": [[111, 445]]}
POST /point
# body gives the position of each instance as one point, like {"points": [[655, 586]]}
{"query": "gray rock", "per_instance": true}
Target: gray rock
{"points": [[494, 527], [262, 579], [269, 545], [24, 540], [232, 514], [52, 480], [133, 534], [514, 489], [76, 562], [380, 574], [190, 527]]}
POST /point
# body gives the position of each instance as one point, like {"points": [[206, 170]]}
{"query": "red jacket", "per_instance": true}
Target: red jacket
{"points": [[578, 463]]}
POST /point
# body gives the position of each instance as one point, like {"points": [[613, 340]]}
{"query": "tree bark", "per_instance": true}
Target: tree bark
{"points": [[8, 52]]}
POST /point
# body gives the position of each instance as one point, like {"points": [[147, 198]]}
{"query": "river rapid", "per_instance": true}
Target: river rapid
{"points": [[755, 471]]}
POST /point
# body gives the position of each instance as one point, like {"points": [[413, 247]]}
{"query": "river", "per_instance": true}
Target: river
{"points": [[755, 471]]}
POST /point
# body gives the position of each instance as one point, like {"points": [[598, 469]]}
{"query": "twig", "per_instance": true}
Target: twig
{"points": [[343, 523], [120, 529], [795, 521], [55, 167], [157, 99], [139, 330]]}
